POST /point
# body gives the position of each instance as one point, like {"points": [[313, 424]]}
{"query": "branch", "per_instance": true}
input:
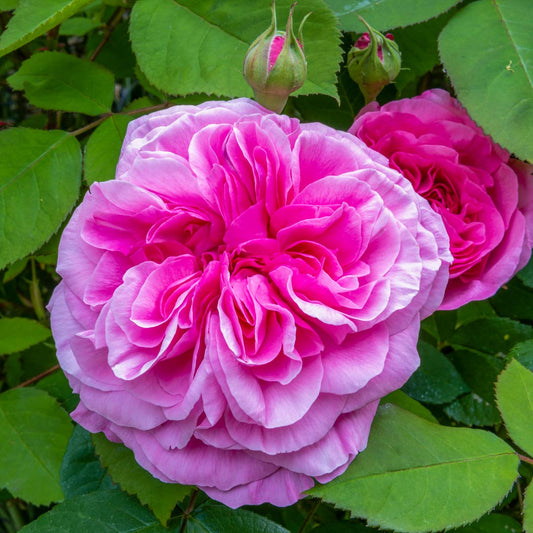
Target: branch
{"points": [[38, 377], [115, 20], [525, 459], [189, 510], [104, 117]]}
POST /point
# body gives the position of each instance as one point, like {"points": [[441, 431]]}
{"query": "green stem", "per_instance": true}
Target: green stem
{"points": [[35, 294], [519, 494], [309, 516], [14, 514], [274, 102], [188, 511], [5, 521], [90, 126], [114, 22], [103, 118]]}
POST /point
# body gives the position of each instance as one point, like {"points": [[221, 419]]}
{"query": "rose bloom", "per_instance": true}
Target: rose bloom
{"points": [[483, 195], [236, 302]]}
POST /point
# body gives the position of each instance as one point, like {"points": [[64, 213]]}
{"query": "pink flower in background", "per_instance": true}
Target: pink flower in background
{"points": [[483, 195], [234, 305]]}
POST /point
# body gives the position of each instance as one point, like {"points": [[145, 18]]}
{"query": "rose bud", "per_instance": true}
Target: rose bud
{"points": [[275, 64], [373, 62]]}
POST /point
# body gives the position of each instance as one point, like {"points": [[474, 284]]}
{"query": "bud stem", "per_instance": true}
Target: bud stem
{"points": [[274, 102]]}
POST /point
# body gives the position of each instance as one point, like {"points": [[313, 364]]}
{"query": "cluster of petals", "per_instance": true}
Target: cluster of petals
{"points": [[484, 196], [235, 303]]}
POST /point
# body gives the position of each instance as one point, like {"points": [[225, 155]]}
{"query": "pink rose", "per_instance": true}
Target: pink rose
{"points": [[481, 193], [236, 302]]}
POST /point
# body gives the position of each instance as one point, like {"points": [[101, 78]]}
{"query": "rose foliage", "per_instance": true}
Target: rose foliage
{"points": [[233, 300], [236, 302]]}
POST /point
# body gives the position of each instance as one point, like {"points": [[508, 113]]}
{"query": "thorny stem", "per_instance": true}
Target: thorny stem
{"points": [[188, 511], [36, 378], [309, 516], [115, 20], [104, 117]]}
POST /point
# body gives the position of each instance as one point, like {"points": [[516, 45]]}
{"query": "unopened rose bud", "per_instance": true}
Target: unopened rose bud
{"points": [[275, 64], [373, 62]]}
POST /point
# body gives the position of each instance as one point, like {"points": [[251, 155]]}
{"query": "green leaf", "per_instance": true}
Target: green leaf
{"points": [[15, 269], [116, 55], [35, 17], [39, 184], [78, 26], [514, 300], [474, 311], [401, 399], [17, 334], [8, 5], [436, 380], [124, 470], [37, 359], [103, 149], [480, 371], [528, 510], [492, 523], [215, 518], [320, 108], [514, 394], [526, 274], [103, 511], [81, 471], [56, 385], [12, 370], [473, 410], [491, 335], [418, 476], [346, 526], [54, 80], [488, 53], [188, 46], [523, 353], [386, 14], [420, 54], [35, 432]]}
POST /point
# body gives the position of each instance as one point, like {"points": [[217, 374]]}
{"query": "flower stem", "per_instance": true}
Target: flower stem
{"points": [[189, 510], [309, 516]]}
